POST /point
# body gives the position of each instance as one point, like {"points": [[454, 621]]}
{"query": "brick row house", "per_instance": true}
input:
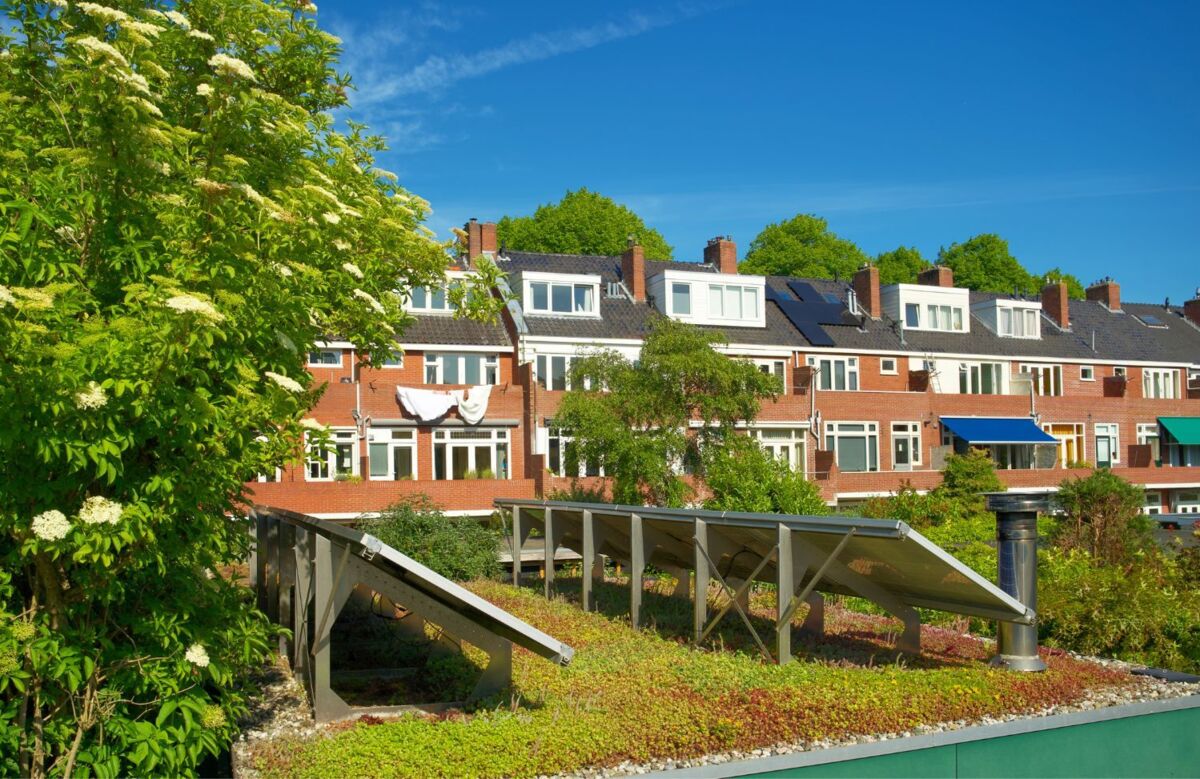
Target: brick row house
{"points": [[879, 383]]}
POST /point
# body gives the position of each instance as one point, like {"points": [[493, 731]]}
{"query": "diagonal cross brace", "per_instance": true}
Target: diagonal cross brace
{"points": [[733, 599], [786, 618]]}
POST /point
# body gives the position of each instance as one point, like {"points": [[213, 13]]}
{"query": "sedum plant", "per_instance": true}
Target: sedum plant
{"points": [[180, 220]]}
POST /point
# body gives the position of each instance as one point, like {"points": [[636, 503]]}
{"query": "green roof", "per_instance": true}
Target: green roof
{"points": [[1185, 430]]}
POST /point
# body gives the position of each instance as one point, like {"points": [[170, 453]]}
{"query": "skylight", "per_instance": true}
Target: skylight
{"points": [[1150, 320]]}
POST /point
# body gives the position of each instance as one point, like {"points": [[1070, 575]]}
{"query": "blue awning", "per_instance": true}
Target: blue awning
{"points": [[998, 430]]}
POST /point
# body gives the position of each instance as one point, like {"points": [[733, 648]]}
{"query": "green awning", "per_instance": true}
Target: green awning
{"points": [[1185, 430]]}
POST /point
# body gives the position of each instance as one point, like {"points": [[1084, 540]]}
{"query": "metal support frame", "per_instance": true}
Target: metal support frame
{"points": [[304, 580], [735, 599]]}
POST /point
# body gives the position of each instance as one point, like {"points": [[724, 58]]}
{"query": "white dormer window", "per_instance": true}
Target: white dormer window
{"points": [[559, 294], [723, 299], [1018, 322], [922, 307], [435, 299]]}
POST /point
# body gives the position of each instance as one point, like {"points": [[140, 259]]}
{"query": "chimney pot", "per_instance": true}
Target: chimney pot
{"points": [[1107, 292], [721, 253], [633, 270], [1055, 302], [937, 276], [866, 290]]}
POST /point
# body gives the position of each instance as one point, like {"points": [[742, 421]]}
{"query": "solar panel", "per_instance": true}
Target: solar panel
{"points": [[885, 561], [808, 312]]}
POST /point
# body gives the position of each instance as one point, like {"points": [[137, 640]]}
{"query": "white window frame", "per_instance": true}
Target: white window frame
{"points": [[553, 434], [1121, 370], [489, 366], [1038, 372], [427, 297], [870, 431], [894, 370], [684, 286], [973, 373], [396, 360], [1152, 502], [728, 293], [545, 373], [449, 439], [387, 437], [267, 478], [789, 444], [323, 353], [1110, 430], [1087, 372], [1148, 435], [1186, 502], [935, 312], [327, 461], [574, 284], [1160, 383], [774, 366], [1080, 436], [911, 431], [1022, 322], [850, 376]]}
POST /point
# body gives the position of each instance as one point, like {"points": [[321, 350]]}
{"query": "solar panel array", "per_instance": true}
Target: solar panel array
{"points": [[808, 311], [885, 561]]}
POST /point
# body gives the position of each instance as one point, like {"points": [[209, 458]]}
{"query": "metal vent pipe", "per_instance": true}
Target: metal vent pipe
{"points": [[1016, 540]]}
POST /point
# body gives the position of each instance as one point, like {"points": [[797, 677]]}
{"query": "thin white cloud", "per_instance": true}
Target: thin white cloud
{"points": [[438, 71]]}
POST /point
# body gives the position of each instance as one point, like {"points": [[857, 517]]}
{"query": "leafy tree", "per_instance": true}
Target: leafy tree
{"points": [[180, 223], [901, 265], [1102, 514], [637, 428], [459, 548], [803, 246], [1075, 287], [583, 222], [919, 510], [984, 263], [742, 476], [966, 476]]}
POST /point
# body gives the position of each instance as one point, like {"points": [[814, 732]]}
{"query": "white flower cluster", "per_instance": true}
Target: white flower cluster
{"points": [[251, 193], [282, 269], [99, 510], [99, 48], [201, 34], [152, 109], [178, 18], [142, 28], [340, 245], [34, 298], [286, 382], [197, 655], [352, 269], [102, 13], [189, 304], [6, 296], [331, 217], [91, 398], [204, 90], [311, 424], [375, 304], [58, 3], [135, 80], [231, 66], [51, 525]]}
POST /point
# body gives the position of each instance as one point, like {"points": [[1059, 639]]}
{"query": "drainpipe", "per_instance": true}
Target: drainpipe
{"points": [[1016, 540]]}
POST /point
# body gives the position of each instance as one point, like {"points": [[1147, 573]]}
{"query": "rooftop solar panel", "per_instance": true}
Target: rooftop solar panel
{"points": [[1151, 320]]}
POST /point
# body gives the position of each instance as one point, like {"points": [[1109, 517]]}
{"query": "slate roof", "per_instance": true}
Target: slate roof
{"points": [[1119, 336], [445, 329]]}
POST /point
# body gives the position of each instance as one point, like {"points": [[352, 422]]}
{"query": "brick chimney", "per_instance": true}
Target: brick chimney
{"points": [[1107, 292], [1191, 309], [633, 270], [721, 253], [1055, 304], [866, 290], [481, 238], [937, 276]]}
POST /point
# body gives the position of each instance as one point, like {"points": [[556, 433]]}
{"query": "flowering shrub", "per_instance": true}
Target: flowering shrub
{"points": [[179, 222]]}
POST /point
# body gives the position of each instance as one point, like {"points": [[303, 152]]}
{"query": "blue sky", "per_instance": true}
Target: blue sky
{"points": [[1073, 130]]}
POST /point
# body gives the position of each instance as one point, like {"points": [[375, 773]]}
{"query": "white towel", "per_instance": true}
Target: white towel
{"points": [[425, 405], [472, 405]]}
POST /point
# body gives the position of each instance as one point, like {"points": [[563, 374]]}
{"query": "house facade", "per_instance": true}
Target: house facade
{"points": [[879, 382]]}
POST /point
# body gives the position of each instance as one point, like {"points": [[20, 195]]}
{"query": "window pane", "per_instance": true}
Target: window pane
{"points": [[491, 374], [912, 315], [750, 303], [419, 297], [901, 444], [543, 378], [378, 454], [933, 317], [431, 373], [450, 369], [1006, 321], [733, 302], [560, 298], [854, 379], [681, 299], [344, 458], [988, 386], [540, 296], [852, 454], [403, 462], [501, 461], [554, 455], [559, 373], [583, 298], [715, 298], [839, 375], [438, 298], [826, 374], [459, 461], [472, 369]]}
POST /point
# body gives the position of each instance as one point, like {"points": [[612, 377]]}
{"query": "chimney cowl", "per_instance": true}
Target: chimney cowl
{"points": [[1106, 292]]}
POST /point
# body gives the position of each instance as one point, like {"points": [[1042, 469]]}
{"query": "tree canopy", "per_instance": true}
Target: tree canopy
{"points": [[583, 222], [984, 263], [180, 223], [639, 429], [802, 246], [901, 265]]}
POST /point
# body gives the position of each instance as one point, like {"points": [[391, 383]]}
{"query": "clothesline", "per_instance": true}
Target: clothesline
{"points": [[431, 405]]}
